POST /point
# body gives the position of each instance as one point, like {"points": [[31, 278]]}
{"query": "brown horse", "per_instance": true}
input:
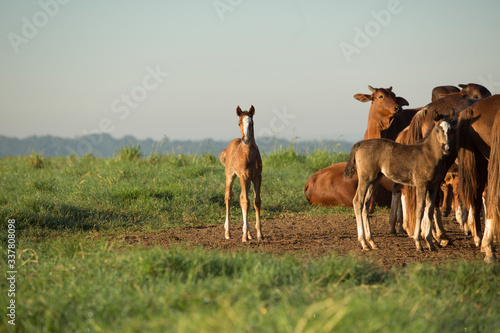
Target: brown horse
{"points": [[386, 119], [242, 158], [470, 91], [421, 165], [477, 135]]}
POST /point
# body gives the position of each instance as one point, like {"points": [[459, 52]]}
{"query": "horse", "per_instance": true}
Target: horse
{"points": [[421, 165], [242, 159], [477, 141], [386, 118], [469, 91]]}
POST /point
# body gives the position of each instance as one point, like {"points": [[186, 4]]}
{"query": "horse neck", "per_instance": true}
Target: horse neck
{"points": [[432, 145]]}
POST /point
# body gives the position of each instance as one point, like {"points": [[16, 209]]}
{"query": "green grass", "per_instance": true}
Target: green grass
{"points": [[70, 279], [82, 284]]}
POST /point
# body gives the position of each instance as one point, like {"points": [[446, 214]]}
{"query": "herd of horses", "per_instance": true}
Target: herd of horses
{"points": [[405, 161]]}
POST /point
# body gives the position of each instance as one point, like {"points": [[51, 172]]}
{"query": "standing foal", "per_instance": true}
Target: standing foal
{"points": [[242, 158]]}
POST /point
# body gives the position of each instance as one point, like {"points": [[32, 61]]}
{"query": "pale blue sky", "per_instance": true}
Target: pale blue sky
{"points": [[73, 74]]}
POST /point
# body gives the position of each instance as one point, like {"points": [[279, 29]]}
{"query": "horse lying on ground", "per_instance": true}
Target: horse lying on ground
{"points": [[242, 158], [420, 165]]}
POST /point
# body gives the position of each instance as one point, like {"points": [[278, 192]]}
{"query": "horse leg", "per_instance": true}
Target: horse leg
{"points": [[245, 205], [430, 205], [227, 198], [487, 243], [421, 193], [395, 208], [366, 218], [358, 204], [256, 190], [440, 236]]}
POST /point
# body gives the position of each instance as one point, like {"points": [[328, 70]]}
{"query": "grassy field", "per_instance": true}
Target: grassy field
{"points": [[70, 279]]}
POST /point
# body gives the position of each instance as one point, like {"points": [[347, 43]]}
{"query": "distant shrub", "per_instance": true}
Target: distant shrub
{"points": [[129, 153], [36, 160]]}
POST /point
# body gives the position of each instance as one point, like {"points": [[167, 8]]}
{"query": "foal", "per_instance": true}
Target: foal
{"points": [[242, 158], [420, 165]]}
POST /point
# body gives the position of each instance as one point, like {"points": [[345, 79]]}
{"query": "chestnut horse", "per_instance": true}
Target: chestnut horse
{"points": [[386, 119], [478, 132], [470, 91], [421, 165], [242, 158]]}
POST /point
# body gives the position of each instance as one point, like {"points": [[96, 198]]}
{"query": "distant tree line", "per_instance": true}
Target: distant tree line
{"points": [[106, 146]]}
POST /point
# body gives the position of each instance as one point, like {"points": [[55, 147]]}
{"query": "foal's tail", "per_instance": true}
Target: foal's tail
{"points": [[222, 157], [493, 196], [351, 163]]}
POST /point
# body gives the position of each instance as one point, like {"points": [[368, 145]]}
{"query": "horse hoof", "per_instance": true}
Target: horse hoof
{"points": [[444, 242], [491, 260]]}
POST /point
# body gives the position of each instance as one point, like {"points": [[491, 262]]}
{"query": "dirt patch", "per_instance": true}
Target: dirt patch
{"points": [[316, 236]]}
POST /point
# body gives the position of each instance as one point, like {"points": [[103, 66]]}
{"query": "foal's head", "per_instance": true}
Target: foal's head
{"points": [[246, 124], [443, 129]]}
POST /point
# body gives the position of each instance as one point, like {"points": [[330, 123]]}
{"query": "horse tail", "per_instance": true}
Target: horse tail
{"points": [[493, 196], [351, 163], [222, 157], [467, 163]]}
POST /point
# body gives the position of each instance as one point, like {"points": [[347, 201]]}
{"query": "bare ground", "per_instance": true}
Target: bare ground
{"points": [[315, 236]]}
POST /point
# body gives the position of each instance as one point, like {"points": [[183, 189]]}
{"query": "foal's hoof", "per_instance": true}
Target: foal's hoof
{"points": [[227, 235]]}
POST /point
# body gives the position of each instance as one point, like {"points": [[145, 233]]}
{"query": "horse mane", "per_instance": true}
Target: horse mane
{"points": [[414, 130], [493, 198]]}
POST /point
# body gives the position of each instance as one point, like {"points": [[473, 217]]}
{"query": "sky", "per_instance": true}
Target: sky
{"points": [[180, 68]]}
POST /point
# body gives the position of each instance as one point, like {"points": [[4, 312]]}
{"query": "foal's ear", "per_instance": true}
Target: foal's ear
{"points": [[238, 111], [252, 110], [363, 98], [435, 116], [401, 101]]}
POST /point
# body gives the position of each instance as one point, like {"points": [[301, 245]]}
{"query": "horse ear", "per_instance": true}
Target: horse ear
{"points": [[363, 98], [435, 116], [252, 110], [463, 86], [401, 101], [452, 113], [238, 111], [390, 88]]}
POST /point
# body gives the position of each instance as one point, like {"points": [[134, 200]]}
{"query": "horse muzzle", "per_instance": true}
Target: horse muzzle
{"points": [[245, 140], [446, 149]]}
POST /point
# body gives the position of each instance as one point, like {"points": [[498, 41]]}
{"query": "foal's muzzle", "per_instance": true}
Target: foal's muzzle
{"points": [[445, 148]]}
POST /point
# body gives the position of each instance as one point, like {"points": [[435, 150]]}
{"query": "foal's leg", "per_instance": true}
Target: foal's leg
{"points": [[245, 205], [430, 204], [420, 214], [256, 190], [227, 198], [358, 204], [366, 212]]}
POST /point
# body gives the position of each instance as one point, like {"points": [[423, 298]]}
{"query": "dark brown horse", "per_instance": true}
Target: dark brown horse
{"points": [[386, 118], [421, 165], [242, 158], [477, 135]]}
